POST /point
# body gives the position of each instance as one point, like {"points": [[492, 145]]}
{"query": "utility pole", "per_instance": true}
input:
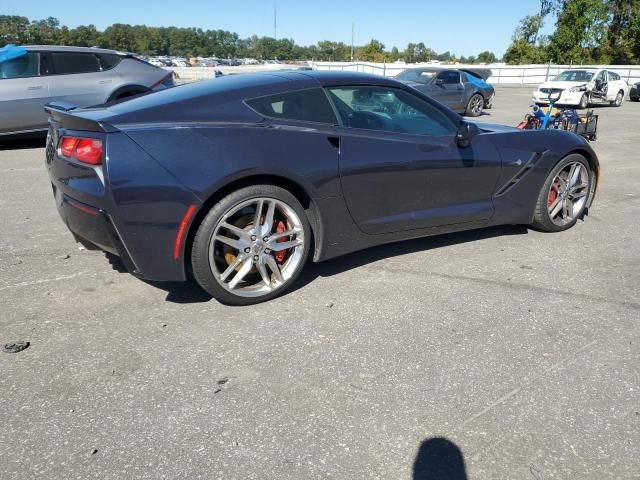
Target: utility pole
{"points": [[275, 19], [352, 30]]}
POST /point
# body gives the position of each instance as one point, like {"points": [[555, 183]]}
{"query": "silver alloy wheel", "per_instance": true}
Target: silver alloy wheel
{"points": [[246, 243], [567, 194], [584, 101], [619, 98], [477, 102]]}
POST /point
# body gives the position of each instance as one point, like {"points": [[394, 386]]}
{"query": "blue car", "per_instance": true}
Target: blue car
{"points": [[238, 181], [464, 90]]}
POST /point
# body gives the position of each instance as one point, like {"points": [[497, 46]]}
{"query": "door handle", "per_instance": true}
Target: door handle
{"points": [[35, 87], [335, 142]]}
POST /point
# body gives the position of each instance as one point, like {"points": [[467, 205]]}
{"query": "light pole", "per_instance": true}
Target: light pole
{"points": [[352, 30]]}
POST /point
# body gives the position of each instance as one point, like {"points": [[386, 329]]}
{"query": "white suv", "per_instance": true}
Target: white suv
{"points": [[583, 87]]}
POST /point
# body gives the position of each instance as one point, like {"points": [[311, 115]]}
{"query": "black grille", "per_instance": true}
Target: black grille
{"points": [[551, 90], [50, 151]]}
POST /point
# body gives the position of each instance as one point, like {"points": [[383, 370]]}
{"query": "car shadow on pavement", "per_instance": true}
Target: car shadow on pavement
{"points": [[22, 143], [191, 292], [364, 257], [439, 459]]}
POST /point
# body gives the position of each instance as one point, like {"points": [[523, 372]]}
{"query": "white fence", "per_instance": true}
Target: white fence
{"points": [[501, 74]]}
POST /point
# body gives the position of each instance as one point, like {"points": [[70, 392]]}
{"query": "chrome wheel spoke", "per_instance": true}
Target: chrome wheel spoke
{"points": [[273, 266], [266, 278], [224, 275], [574, 174], [578, 195], [257, 216], [557, 206], [232, 242], [244, 270], [240, 233], [280, 246], [288, 233], [268, 219]]}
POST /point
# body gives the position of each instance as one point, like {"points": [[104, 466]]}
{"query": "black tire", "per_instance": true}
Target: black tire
{"points": [[202, 270], [584, 101], [475, 106], [635, 99], [619, 99], [542, 219]]}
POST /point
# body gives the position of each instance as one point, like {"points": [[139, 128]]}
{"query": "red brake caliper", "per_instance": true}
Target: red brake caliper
{"points": [[281, 228], [553, 194]]}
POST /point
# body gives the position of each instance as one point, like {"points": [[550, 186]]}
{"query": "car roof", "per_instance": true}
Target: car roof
{"points": [[63, 48], [328, 78]]}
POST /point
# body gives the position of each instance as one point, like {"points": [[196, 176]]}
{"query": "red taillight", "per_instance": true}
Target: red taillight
{"points": [[85, 150], [68, 145]]}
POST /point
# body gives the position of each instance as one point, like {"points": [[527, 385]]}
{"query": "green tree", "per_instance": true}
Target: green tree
{"points": [[487, 57], [580, 29], [372, 52]]}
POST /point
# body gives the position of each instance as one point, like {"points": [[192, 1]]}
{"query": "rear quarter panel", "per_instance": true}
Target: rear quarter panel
{"points": [[205, 158]]}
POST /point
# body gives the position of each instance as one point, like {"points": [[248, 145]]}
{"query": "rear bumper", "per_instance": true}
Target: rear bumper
{"points": [[92, 228]]}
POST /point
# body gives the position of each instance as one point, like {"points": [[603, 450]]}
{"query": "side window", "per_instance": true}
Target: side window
{"points": [[449, 77], [21, 67], [108, 60], [613, 76], [389, 109], [72, 62], [602, 76], [309, 105]]}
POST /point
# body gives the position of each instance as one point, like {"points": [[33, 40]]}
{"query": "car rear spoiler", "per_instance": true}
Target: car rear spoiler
{"points": [[63, 113], [483, 73]]}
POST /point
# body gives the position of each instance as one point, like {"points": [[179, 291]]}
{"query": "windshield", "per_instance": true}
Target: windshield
{"points": [[417, 75], [575, 76]]}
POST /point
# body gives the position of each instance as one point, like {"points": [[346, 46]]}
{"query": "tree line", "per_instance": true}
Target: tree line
{"points": [[209, 43], [586, 32]]}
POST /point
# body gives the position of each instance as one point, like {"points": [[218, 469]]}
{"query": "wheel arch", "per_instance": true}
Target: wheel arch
{"points": [[126, 89], [297, 190]]}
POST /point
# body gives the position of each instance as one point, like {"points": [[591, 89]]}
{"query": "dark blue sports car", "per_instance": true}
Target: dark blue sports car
{"points": [[239, 180]]}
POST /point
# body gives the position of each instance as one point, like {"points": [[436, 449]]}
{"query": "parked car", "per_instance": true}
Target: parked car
{"points": [[463, 90], [241, 179], [82, 76], [583, 87], [634, 93]]}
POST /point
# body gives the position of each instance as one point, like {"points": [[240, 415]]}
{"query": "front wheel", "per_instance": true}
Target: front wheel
{"points": [[563, 198], [251, 246], [584, 101], [475, 106]]}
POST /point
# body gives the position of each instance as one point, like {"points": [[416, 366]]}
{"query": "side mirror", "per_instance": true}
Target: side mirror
{"points": [[466, 131], [439, 81]]}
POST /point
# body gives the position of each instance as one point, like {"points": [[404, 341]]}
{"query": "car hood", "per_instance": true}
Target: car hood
{"points": [[562, 85], [495, 128]]}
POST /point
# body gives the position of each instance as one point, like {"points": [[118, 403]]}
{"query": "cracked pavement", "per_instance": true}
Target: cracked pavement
{"points": [[521, 348]]}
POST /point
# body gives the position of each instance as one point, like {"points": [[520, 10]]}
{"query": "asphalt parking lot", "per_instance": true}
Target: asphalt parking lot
{"points": [[520, 348]]}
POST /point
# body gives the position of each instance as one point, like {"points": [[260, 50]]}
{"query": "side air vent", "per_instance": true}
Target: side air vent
{"points": [[528, 166]]}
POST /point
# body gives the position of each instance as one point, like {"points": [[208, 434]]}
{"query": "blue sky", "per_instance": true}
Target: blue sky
{"points": [[464, 27]]}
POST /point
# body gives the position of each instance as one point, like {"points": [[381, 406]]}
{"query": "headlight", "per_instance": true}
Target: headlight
{"points": [[575, 89]]}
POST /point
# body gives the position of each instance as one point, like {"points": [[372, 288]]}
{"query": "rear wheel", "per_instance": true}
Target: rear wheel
{"points": [[251, 246], [564, 195], [619, 99], [475, 106]]}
